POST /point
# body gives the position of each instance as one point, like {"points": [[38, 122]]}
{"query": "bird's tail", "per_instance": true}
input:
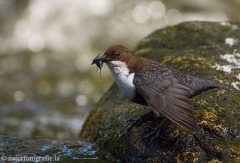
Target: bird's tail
{"points": [[205, 85], [215, 84]]}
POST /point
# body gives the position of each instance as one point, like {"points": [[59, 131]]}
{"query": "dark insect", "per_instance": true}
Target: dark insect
{"points": [[97, 62]]}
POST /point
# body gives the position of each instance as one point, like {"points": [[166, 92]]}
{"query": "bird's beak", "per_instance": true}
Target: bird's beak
{"points": [[99, 60]]}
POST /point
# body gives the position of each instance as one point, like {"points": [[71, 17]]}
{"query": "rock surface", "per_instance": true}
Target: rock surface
{"points": [[203, 49]]}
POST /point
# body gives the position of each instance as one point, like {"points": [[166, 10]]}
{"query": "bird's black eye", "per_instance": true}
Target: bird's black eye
{"points": [[118, 54]]}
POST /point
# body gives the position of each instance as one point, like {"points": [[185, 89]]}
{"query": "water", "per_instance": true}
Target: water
{"points": [[38, 149]]}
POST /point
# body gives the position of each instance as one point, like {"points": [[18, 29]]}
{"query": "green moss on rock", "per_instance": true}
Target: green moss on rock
{"points": [[196, 48]]}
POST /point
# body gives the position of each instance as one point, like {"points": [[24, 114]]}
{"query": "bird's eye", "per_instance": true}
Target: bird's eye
{"points": [[118, 54]]}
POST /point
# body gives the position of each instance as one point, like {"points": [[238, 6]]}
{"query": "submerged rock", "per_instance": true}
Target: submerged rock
{"points": [[203, 49]]}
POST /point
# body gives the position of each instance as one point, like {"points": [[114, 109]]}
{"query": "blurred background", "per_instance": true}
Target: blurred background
{"points": [[47, 86]]}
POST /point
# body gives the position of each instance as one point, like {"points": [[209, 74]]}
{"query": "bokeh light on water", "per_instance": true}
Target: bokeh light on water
{"points": [[19, 95], [46, 48]]}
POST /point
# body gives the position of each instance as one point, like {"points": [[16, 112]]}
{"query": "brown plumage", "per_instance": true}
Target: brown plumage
{"points": [[164, 89]]}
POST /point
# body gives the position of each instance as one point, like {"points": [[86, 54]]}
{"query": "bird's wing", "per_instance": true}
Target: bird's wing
{"points": [[167, 96]]}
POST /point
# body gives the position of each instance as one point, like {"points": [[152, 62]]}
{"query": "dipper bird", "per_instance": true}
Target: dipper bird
{"points": [[147, 82]]}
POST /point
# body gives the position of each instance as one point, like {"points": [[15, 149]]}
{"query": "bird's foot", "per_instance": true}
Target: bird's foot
{"points": [[137, 123], [156, 131]]}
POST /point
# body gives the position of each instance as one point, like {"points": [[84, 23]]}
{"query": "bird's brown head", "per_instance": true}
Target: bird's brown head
{"points": [[113, 53]]}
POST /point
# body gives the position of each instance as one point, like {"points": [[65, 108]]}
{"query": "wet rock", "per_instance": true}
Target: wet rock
{"points": [[13, 149], [203, 49]]}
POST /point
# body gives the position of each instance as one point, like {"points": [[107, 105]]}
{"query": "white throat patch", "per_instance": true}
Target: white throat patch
{"points": [[124, 80]]}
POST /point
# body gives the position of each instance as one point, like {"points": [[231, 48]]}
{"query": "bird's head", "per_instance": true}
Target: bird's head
{"points": [[113, 53]]}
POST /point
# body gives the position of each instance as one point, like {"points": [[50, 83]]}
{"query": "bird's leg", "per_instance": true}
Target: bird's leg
{"points": [[144, 118], [155, 133]]}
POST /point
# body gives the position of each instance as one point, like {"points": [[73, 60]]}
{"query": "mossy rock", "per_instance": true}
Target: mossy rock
{"points": [[203, 49]]}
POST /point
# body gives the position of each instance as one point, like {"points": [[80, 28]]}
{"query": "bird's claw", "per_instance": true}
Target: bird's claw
{"points": [[137, 123], [131, 120], [156, 131], [152, 135]]}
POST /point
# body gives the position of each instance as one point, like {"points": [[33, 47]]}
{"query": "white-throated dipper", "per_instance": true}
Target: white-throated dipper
{"points": [[147, 82]]}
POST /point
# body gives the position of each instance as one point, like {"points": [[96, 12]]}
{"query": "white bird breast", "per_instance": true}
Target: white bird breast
{"points": [[123, 78]]}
